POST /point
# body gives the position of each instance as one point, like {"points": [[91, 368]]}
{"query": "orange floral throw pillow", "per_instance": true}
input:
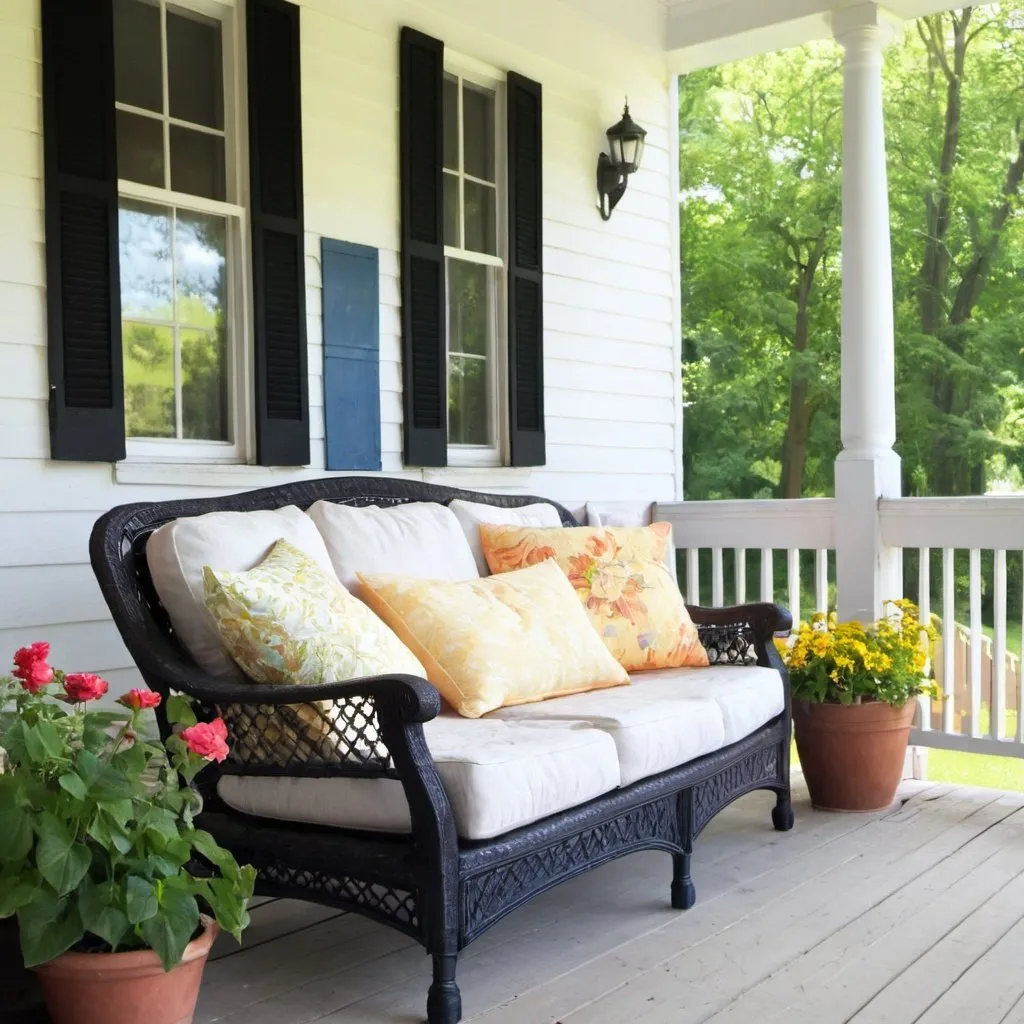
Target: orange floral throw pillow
{"points": [[620, 576]]}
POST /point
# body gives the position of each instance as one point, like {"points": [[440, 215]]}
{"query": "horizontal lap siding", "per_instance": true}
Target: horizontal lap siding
{"points": [[611, 361]]}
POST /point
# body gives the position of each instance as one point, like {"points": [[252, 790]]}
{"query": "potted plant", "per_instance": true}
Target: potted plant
{"points": [[118, 896], [854, 694]]}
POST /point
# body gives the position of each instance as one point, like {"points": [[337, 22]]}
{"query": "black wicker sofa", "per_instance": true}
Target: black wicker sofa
{"points": [[440, 889]]}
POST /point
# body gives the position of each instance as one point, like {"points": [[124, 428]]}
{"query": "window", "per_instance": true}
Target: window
{"points": [[474, 240], [181, 228]]}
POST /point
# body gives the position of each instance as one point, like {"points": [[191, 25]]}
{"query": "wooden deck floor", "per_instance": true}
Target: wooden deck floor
{"points": [[915, 915]]}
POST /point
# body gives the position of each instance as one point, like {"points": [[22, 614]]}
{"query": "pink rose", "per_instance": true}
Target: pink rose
{"points": [[207, 739], [31, 666], [83, 686], [139, 699]]}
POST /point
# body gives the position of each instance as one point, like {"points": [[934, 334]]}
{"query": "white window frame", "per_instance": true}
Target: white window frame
{"points": [[237, 245], [465, 69]]}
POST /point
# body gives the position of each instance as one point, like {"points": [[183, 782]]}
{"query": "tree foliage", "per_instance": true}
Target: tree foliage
{"points": [[761, 167]]}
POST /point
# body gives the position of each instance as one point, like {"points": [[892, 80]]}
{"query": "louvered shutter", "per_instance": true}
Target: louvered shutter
{"points": [[525, 273], [424, 380], [278, 275], [82, 287]]}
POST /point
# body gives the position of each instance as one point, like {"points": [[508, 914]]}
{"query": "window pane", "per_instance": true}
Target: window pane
{"points": [[480, 218], [478, 131], [195, 79], [144, 255], [451, 123], [451, 211], [148, 380], [137, 70], [468, 412], [140, 149], [200, 257], [470, 307], [197, 163], [204, 385]]}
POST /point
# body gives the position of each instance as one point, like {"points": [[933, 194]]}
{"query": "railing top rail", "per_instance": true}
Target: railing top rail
{"points": [[989, 521], [772, 523]]}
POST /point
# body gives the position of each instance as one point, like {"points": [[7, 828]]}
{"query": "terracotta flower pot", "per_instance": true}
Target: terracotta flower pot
{"points": [[126, 988], [852, 756]]}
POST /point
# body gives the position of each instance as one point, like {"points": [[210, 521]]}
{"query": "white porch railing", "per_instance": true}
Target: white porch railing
{"points": [[971, 535]]}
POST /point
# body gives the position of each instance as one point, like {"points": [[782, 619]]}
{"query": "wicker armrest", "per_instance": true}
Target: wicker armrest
{"points": [[742, 634]]}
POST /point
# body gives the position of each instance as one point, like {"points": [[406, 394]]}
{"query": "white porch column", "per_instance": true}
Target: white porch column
{"points": [[867, 467]]}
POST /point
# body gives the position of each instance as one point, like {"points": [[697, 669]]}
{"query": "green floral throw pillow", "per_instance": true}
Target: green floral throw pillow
{"points": [[288, 621]]}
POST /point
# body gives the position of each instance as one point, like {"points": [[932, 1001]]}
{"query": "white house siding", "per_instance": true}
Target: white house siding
{"points": [[612, 348]]}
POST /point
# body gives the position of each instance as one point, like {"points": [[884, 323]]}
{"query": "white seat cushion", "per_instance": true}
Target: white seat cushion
{"points": [[668, 716], [471, 514], [226, 541], [421, 538], [498, 776]]}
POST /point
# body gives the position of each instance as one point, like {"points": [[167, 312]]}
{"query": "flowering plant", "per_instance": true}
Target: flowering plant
{"points": [[849, 663], [97, 834]]}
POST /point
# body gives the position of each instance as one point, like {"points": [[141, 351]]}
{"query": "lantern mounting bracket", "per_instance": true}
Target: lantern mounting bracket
{"points": [[611, 185], [626, 143]]}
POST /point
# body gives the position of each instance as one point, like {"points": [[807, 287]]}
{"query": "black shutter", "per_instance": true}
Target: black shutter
{"points": [[525, 273], [424, 380], [278, 275], [83, 295]]}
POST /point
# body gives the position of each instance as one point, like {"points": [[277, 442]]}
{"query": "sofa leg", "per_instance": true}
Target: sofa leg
{"points": [[684, 895], [444, 1001], [782, 813]]}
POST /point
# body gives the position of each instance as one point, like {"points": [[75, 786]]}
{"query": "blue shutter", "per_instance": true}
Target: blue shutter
{"points": [[351, 304]]}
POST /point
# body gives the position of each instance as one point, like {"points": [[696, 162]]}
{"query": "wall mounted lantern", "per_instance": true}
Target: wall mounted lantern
{"points": [[626, 143]]}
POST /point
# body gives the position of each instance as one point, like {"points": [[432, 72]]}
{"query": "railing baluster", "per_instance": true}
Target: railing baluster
{"points": [[740, 573], [767, 579], [821, 580], [948, 639], [924, 607], [693, 576], [1020, 677], [717, 579], [998, 723], [793, 582], [976, 635]]}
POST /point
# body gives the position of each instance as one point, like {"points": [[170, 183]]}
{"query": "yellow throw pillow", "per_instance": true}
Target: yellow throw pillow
{"points": [[620, 576], [288, 621], [498, 641]]}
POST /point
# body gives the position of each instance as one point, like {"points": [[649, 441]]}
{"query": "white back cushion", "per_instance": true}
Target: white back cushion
{"points": [[227, 541], [471, 514], [420, 539]]}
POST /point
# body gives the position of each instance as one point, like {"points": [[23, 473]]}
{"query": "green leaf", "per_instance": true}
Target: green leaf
{"points": [[15, 834], [49, 736], [101, 915], [163, 823], [228, 903], [60, 860], [49, 925], [171, 930], [15, 892], [72, 784], [179, 710], [206, 846], [141, 899]]}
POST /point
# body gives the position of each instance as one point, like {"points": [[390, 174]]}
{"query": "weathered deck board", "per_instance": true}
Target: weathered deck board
{"points": [[914, 915]]}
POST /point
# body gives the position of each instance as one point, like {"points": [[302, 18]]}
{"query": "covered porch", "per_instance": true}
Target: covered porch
{"points": [[912, 915]]}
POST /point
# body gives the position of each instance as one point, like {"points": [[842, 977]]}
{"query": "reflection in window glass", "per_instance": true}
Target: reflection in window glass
{"points": [[451, 122], [480, 214], [197, 163], [468, 413], [148, 380], [144, 256], [471, 294], [469, 307], [140, 149], [174, 278], [478, 131]]}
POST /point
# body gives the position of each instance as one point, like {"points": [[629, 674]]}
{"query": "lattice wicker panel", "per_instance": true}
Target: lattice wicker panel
{"points": [[340, 734], [729, 645], [487, 896], [711, 795], [398, 905]]}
